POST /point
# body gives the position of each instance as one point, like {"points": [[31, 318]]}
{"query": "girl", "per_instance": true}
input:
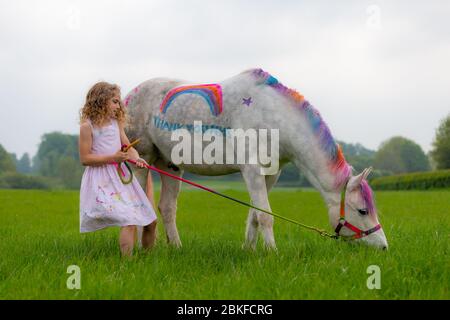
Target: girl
{"points": [[104, 200]]}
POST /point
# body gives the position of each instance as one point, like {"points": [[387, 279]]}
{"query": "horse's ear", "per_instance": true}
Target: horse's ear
{"points": [[366, 172], [355, 182]]}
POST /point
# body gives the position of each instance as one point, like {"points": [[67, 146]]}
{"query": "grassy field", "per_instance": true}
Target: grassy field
{"points": [[40, 239]]}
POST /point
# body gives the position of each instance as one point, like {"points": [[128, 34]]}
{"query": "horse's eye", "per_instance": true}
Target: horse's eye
{"points": [[363, 211]]}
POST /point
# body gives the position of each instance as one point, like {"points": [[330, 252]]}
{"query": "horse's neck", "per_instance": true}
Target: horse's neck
{"points": [[321, 178], [311, 160], [321, 182]]}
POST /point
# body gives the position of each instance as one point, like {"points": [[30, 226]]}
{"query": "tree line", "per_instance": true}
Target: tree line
{"points": [[56, 164]]}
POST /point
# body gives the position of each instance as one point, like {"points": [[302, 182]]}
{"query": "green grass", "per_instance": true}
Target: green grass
{"points": [[40, 239]]}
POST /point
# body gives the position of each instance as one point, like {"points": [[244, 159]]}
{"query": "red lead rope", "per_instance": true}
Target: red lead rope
{"points": [[320, 231], [342, 222]]}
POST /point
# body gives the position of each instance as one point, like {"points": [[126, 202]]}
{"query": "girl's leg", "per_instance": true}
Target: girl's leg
{"points": [[126, 240], [149, 232]]}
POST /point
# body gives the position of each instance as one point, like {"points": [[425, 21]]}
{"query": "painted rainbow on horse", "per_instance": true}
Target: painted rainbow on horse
{"points": [[212, 93]]}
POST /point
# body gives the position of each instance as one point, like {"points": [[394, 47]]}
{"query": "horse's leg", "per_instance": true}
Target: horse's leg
{"points": [[148, 234], [256, 185], [251, 232], [167, 205]]}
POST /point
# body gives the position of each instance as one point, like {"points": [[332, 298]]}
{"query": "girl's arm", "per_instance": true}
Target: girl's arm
{"points": [[134, 155], [140, 163], [132, 151], [89, 159]]}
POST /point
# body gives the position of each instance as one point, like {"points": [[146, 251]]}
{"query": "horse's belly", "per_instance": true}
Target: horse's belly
{"points": [[211, 170]]}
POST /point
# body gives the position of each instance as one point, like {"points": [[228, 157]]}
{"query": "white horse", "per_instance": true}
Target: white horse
{"points": [[251, 99]]}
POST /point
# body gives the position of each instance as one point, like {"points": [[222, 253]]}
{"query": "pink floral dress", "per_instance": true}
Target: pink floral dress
{"points": [[104, 200]]}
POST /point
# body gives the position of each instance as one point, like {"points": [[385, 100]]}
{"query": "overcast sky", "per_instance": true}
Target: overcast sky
{"points": [[374, 69]]}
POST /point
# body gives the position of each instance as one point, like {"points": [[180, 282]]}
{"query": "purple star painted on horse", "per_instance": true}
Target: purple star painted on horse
{"points": [[247, 101]]}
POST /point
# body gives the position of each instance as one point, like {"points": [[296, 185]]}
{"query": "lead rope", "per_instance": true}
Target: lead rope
{"points": [[120, 172], [321, 232]]}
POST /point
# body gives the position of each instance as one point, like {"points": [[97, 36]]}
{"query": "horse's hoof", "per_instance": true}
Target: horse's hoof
{"points": [[248, 246], [176, 244], [271, 247]]}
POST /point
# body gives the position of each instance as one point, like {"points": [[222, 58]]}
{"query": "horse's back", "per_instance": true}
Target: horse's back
{"points": [[162, 105]]}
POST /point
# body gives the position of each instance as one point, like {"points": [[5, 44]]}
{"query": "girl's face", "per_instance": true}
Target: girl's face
{"points": [[114, 104]]}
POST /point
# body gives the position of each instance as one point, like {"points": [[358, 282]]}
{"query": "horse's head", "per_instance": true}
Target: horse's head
{"points": [[355, 217]]}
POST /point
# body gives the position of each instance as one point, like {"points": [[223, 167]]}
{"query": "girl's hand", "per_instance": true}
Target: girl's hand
{"points": [[141, 163], [120, 156]]}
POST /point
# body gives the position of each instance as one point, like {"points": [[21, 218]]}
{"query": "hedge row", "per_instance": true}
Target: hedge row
{"points": [[13, 180], [419, 181]]}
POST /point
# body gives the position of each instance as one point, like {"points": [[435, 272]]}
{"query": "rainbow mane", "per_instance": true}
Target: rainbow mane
{"points": [[333, 150], [212, 93]]}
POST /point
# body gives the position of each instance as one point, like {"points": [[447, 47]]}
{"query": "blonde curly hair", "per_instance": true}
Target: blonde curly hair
{"points": [[95, 108]]}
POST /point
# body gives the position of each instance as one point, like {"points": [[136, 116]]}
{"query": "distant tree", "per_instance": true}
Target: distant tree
{"points": [[7, 163], [14, 158], [400, 155], [357, 155], [23, 165], [53, 146], [289, 173], [441, 145], [356, 149], [58, 157], [69, 172]]}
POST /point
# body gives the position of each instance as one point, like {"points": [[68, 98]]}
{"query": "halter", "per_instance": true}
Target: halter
{"points": [[344, 223]]}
